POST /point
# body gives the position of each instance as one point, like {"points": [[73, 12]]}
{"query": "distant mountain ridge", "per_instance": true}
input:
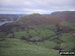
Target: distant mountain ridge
{"points": [[12, 14], [67, 15], [9, 17], [62, 12]]}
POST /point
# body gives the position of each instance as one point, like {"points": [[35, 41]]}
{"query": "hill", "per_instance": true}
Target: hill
{"points": [[40, 19], [43, 39], [16, 47], [53, 18], [67, 15]]}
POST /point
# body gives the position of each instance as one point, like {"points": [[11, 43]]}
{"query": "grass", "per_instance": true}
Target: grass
{"points": [[67, 24], [36, 33], [68, 46], [17, 47], [66, 37], [69, 41], [47, 44], [3, 34], [21, 48]]}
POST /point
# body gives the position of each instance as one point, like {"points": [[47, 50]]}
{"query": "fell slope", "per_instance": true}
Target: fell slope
{"points": [[16, 47], [39, 19]]}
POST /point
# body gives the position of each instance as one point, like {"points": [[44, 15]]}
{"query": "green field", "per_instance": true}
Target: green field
{"points": [[18, 47]]}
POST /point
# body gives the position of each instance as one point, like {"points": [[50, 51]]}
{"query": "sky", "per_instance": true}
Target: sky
{"points": [[35, 6]]}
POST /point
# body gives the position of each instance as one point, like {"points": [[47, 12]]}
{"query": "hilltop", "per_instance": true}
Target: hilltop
{"points": [[53, 18], [40, 19]]}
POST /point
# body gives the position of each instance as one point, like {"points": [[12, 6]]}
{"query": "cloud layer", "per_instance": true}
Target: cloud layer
{"points": [[35, 6]]}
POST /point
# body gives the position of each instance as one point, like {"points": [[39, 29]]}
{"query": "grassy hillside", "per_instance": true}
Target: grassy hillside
{"points": [[67, 24], [16, 47], [38, 35]]}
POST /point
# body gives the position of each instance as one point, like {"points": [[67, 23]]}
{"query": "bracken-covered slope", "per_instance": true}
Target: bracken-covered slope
{"points": [[40, 19], [67, 15], [53, 18]]}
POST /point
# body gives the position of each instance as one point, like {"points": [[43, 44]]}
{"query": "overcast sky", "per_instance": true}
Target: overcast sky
{"points": [[35, 6]]}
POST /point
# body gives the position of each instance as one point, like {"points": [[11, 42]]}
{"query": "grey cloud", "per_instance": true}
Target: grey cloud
{"points": [[41, 6]]}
